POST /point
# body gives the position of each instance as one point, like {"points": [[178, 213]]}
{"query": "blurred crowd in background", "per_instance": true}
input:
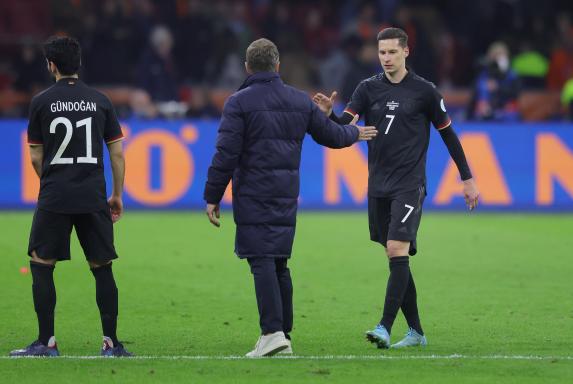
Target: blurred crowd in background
{"points": [[501, 60]]}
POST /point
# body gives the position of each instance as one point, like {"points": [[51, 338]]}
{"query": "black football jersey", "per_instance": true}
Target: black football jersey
{"points": [[402, 113], [72, 121]]}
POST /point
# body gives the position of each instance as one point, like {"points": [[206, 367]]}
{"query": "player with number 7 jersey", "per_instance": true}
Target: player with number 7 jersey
{"points": [[68, 126], [402, 106]]}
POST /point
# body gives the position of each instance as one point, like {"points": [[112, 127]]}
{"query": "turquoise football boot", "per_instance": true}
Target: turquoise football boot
{"points": [[412, 339], [379, 336]]}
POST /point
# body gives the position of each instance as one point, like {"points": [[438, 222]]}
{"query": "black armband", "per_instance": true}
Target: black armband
{"points": [[456, 151]]}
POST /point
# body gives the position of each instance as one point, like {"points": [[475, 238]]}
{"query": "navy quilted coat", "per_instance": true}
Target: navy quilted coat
{"points": [[259, 145]]}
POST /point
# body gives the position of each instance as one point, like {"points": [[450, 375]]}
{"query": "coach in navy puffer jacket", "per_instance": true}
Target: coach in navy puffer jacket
{"points": [[259, 145]]}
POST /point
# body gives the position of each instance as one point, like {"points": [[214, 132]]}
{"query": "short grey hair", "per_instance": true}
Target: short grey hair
{"points": [[262, 56]]}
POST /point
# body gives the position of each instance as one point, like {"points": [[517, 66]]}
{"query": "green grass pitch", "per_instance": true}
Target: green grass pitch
{"points": [[495, 294]]}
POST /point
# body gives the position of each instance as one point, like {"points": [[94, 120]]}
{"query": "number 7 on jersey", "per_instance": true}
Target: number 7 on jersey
{"points": [[391, 117]]}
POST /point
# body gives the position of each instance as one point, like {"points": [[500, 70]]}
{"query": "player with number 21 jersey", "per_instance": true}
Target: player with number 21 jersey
{"points": [[68, 126], [72, 121]]}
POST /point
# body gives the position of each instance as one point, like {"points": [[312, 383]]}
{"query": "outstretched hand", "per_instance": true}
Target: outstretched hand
{"points": [[366, 133], [324, 102]]}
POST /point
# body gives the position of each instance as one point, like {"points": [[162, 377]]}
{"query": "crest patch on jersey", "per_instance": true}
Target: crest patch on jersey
{"points": [[392, 105]]}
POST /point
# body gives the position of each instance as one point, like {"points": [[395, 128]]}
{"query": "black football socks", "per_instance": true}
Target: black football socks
{"points": [[106, 297], [410, 307], [396, 289], [44, 293]]}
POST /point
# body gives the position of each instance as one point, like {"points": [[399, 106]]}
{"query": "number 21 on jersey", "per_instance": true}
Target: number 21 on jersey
{"points": [[88, 158]]}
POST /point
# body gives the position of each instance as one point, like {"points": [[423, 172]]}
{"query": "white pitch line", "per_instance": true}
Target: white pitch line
{"points": [[326, 357]]}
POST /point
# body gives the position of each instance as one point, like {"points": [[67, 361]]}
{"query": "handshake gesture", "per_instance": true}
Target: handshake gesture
{"points": [[325, 103]]}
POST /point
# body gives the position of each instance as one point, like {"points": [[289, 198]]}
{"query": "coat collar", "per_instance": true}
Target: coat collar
{"points": [[260, 77]]}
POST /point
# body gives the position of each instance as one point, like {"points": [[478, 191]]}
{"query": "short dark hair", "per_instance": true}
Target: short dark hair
{"points": [[65, 52], [394, 33], [262, 56]]}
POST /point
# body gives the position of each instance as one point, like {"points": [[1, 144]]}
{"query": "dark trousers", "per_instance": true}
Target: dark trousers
{"points": [[273, 287]]}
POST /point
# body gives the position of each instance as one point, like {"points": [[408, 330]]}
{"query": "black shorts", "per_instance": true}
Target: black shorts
{"points": [[50, 235], [396, 218]]}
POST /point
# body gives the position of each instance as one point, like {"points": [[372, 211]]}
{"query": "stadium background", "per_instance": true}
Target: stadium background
{"points": [[169, 65], [495, 287]]}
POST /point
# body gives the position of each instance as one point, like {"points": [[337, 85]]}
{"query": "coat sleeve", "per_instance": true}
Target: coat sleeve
{"points": [[328, 133], [229, 146]]}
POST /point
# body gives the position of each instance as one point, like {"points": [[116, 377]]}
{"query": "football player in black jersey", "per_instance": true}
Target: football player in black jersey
{"points": [[68, 125], [402, 105]]}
